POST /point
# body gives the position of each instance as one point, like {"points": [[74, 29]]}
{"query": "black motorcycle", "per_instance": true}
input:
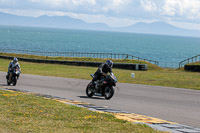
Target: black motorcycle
{"points": [[13, 76], [103, 87]]}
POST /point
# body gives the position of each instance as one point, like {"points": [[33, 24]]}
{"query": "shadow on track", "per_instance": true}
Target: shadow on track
{"points": [[99, 98], [3, 84]]}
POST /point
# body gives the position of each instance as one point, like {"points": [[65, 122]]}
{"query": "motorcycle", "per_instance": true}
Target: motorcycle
{"points": [[103, 87], [13, 76]]}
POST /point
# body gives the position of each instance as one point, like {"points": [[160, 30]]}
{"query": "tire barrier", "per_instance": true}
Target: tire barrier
{"points": [[127, 66], [192, 68]]}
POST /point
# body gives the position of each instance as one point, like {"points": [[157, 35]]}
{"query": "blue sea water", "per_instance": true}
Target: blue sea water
{"points": [[165, 49]]}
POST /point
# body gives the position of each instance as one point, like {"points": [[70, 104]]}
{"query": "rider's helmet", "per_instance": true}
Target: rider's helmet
{"points": [[109, 63], [15, 60]]}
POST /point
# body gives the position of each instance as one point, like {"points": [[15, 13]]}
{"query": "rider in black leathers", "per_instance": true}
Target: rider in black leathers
{"points": [[103, 69], [11, 67]]}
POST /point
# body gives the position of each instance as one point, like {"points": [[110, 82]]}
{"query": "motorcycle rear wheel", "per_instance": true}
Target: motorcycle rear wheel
{"points": [[89, 91], [109, 92]]}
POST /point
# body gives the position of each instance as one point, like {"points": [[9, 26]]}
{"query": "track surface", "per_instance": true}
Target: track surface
{"points": [[172, 104]]}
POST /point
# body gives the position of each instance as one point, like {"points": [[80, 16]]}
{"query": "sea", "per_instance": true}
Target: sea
{"points": [[167, 50]]}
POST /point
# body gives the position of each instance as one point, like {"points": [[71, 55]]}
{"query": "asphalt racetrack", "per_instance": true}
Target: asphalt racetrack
{"points": [[167, 103]]}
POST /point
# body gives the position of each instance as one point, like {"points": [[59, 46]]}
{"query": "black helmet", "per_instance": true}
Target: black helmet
{"points": [[15, 60], [109, 63]]}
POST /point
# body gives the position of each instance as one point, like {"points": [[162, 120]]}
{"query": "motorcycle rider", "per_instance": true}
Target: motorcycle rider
{"points": [[11, 67], [103, 69]]}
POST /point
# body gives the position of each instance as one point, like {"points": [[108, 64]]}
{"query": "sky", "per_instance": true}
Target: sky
{"points": [[115, 13]]}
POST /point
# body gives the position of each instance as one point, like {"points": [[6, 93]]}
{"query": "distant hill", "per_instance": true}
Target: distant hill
{"points": [[71, 23], [50, 21], [159, 28]]}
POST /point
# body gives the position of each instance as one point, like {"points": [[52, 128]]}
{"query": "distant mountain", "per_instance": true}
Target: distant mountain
{"points": [[71, 23], [159, 28], [50, 21]]}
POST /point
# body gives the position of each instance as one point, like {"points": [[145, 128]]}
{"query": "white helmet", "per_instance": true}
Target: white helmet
{"points": [[15, 60]]}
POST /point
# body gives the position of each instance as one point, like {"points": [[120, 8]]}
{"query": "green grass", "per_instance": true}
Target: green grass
{"points": [[195, 63], [22, 113], [161, 77]]}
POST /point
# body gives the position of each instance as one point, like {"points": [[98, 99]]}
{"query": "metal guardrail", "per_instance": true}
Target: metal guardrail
{"points": [[189, 60], [78, 54]]}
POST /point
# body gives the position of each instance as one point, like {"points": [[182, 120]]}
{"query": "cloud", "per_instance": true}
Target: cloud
{"points": [[127, 8], [65, 3], [116, 6], [149, 6], [178, 10], [189, 9], [144, 10]]}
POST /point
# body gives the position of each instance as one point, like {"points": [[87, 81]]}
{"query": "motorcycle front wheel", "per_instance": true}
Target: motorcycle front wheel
{"points": [[8, 83], [7, 78], [89, 90], [14, 80], [109, 92]]}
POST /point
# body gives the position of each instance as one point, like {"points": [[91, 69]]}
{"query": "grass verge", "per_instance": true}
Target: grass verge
{"points": [[160, 77], [195, 63], [29, 113], [150, 66]]}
